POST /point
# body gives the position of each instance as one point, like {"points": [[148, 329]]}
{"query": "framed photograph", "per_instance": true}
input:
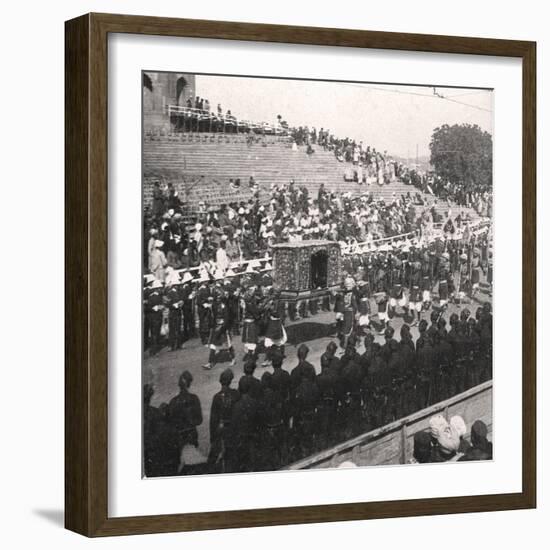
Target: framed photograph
{"points": [[300, 275]]}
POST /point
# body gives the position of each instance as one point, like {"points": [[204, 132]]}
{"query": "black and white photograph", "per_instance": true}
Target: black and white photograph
{"points": [[317, 276]]}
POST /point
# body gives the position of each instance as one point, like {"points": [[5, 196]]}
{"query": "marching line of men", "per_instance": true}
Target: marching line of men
{"points": [[267, 423], [404, 277]]}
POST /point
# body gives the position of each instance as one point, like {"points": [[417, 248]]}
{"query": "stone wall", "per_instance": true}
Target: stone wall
{"points": [[166, 89]]}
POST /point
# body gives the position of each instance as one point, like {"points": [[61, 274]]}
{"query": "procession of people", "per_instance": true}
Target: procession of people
{"points": [[277, 413]]}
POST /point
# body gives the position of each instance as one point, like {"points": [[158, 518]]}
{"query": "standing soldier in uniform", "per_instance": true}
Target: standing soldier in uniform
{"points": [[188, 310], [415, 299], [426, 284], [464, 272], [233, 299], [397, 295], [205, 302], [446, 360], [345, 307], [273, 436], [220, 338], [245, 428], [251, 321], [221, 411], [363, 321], [381, 293], [352, 377], [280, 382], [475, 271], [462, 352], [408, 360], [444, 271], [184, 412], [275, 335], [326, 411], [149, 279], [154, 310], [304, 408], [424, 359], [174, 301]]}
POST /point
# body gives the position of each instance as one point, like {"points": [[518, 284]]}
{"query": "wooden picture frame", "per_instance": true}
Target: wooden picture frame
{"points": [[86, 279]]}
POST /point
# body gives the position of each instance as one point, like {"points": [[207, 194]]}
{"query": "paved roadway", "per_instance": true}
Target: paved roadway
{"points": [[163, 370]]}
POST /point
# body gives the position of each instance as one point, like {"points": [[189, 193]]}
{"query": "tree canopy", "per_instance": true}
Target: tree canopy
{"points": [[463, 154]]}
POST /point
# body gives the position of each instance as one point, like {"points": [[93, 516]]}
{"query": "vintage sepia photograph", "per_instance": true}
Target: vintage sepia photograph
{"points": [[317, 276]]}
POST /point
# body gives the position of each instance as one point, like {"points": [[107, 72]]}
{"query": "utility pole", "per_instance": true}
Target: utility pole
{"points": [[417, 155]]}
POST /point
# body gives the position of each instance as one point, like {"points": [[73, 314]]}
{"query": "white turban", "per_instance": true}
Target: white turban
{"points": [[458, 424]]}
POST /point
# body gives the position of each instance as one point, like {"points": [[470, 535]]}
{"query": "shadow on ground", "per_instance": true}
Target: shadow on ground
{"points": [[57, 517]]}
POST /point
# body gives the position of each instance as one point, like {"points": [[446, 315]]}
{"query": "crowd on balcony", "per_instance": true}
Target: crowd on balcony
{"points": [[199, 116]]}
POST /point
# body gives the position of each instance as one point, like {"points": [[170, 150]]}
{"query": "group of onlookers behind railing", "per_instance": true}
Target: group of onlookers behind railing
{"points": [[448, 441]]}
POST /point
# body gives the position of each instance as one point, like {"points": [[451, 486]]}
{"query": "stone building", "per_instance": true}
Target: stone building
{"points": [[161, 89]]}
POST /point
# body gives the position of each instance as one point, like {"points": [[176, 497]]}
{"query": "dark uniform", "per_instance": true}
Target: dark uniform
{"points": [[188, 313], [221, 411], [245, 429], [251, 321], [304, 409], [174, 300], [184, 414], [273, 444], [206, 318], [161, 452], [352, 377], [407, 355], [219, 333], [424, 361], [280, 383], [153, 308], [345, 307], [327, 382]]}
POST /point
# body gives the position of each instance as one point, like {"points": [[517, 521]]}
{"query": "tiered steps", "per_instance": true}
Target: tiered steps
{"points": [[207, 162]]}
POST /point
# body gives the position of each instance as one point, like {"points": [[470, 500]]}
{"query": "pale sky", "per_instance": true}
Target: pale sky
{"points": [[389, 117]]}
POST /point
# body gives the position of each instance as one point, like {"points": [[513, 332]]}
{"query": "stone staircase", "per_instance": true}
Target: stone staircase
{"points": [[206, 162]]}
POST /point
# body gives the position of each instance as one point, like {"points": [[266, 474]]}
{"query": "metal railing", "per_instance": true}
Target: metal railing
{"points": [[227, 122]]}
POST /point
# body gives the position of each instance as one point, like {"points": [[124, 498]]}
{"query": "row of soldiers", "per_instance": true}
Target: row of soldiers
{"points": [[268, 422], [404, 278]]}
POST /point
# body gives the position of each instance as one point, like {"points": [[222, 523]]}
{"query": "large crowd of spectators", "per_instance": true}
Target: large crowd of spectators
{"points": [[367, 165], [467, 195]]}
